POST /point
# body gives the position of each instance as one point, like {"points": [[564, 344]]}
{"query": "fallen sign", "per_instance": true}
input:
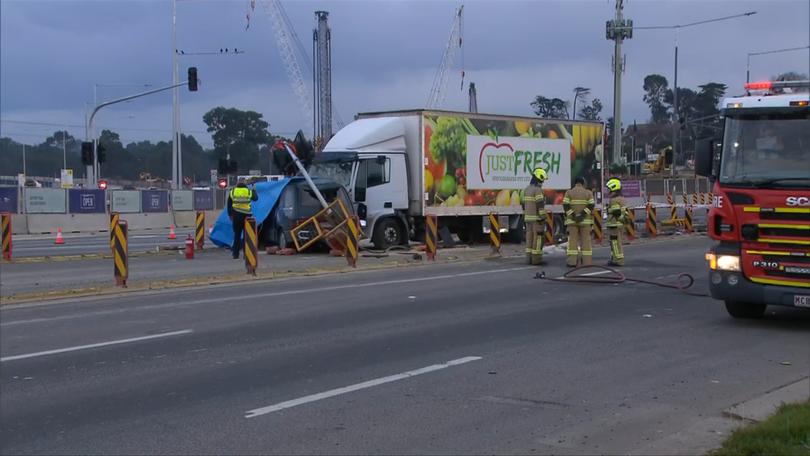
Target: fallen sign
{"points": [[330, 224]]}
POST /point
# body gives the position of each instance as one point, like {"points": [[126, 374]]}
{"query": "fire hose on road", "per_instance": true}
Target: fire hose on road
{"points": [[576, 275]]}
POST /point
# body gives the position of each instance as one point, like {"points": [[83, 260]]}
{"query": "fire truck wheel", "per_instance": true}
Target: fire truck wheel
{"points": [[745, 309]]}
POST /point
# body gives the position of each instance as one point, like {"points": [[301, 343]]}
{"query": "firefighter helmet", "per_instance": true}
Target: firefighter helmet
{"points": [[614, 185], [540, 174]]}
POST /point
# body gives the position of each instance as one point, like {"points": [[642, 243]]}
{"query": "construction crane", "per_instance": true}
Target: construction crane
{"points": [[454, 43], [292, 54]]}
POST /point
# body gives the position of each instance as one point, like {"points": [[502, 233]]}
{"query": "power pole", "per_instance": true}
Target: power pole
{"points": [[323, 78], [177, 159], [676, 123], [618, 30], [473, 98]]}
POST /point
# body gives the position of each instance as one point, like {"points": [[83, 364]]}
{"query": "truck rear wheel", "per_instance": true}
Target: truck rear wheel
{"points": [[745, 310], [387, 233]]}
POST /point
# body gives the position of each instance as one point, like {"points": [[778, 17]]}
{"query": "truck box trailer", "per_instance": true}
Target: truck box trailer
{"points": [[402, 166]]}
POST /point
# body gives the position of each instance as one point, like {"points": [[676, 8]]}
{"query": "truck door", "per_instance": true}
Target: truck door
{"points": [[373, 174]]}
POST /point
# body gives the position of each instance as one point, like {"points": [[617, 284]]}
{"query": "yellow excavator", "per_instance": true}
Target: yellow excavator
{"points": [[659, 165]]}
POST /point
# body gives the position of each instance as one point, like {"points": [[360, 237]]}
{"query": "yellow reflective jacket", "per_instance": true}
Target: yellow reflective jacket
{"points": [[578, 204], [240, 199]]}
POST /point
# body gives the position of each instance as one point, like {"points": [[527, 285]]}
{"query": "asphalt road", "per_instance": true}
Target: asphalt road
{"points": [[461, 358], [89, 244]]}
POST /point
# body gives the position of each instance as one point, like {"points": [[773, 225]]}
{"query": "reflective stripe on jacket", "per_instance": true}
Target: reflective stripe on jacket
{"points": [[578, 204], [534, 203], [617, 212], [240, 198]]}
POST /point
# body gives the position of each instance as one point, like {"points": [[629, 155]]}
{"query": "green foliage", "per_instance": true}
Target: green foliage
{"points": [[238, 133], [655, 91], [592, 111], [550, 108], [790, 76], [785, 433]]}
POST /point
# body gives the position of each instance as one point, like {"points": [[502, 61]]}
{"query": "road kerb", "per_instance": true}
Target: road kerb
{"points": [[762, 407]]}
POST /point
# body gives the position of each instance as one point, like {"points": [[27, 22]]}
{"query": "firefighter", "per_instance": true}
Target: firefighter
{"points": [[617, 217], [239, 208], [534, 214], [578, 204]]}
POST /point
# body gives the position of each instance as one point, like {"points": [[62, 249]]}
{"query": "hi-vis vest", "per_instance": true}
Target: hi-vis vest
{"points": [[240, 197]]}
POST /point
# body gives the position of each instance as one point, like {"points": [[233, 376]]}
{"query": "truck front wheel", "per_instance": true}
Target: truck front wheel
{"points": [[387, 233], [745, 310]]}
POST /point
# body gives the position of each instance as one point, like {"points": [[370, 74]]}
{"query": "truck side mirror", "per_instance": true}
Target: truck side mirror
{"points": [[704, 155], [362, 211]]}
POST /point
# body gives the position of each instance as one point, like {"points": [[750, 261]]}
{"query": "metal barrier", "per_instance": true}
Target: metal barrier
{"points": [[327, 223], [5, 228], [199, 232], [121, 254], [598, 233], [494, 233], [431, 236], [251, 246]]}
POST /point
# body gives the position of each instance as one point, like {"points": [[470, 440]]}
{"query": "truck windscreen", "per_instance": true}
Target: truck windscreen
{"points": [[339, 170], [766, 150]]}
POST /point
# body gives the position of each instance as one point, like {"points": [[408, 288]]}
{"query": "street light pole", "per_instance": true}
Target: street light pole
{"points": [[175, 111]]}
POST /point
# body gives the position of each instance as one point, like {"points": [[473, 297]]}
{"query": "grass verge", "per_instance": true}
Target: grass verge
{"points": [[787, 432]]}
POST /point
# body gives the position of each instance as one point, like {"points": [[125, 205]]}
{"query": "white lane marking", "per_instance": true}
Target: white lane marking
{"points": [[100, 344], [264, 295], [358, 386], [589, 274]]}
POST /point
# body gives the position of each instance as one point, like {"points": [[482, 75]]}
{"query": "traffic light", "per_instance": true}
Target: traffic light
{"points": [[222, 183], [87, 153], [101, 152], [102, 184], [192, 79], [682, 122]]}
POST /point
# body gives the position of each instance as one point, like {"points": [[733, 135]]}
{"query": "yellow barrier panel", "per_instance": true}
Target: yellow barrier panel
{"points": [[199, 232], [114, 218], [5, 227], [652, 222], [431, 236], [549, 232], [494, 233], [120, 254], [598, 233], [251, 246]]}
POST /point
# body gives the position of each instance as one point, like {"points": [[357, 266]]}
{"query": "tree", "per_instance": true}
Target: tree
{"points": [[579, 92], [592, 111], [238, 133], [550, 108], [790, 76], [655, 91]]}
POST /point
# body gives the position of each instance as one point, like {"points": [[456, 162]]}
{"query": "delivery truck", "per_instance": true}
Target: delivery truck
{"points": [[402, 166]]}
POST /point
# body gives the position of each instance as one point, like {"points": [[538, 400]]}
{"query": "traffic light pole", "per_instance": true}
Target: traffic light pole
{"points": [[92, 178]]}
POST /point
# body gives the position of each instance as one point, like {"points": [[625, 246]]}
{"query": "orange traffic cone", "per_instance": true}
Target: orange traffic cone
{"points": [[59, 239], [171, 232]]}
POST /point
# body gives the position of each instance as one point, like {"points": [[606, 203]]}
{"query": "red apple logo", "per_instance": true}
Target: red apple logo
{"points": [[481, 155]]}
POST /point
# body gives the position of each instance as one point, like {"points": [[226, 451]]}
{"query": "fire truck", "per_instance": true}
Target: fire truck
{"points": [[760, 215]]}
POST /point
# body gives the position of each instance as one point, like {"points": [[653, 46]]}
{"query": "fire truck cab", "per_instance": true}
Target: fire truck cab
{"points": [[760, 216]]}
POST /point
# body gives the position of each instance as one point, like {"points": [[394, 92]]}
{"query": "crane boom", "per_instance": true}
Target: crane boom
{"points": [[437, 92], [284, 40]]}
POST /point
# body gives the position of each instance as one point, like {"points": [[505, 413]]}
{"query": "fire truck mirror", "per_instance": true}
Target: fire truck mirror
{"points": [[704, 152]]}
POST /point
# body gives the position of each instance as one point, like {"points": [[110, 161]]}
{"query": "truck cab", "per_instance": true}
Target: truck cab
{"points": [[760, 214], [368, 157]]}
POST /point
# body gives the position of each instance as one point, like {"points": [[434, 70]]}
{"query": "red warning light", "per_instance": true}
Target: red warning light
{"points": [[761, 85], [222, 183], [102, 184]]}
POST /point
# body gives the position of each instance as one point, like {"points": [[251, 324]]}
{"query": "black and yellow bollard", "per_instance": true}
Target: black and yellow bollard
{"points": [[694, 199], [673, 209], [598, 234], [630, 224], [114, 218], [652, 222], [431, 236], [251, 246], [199, 232], [549, 232], [352, 242], [120, 254], [687, 220], [494, 233], [5, 231]]}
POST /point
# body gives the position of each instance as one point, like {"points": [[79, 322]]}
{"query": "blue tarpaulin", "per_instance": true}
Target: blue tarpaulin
{"points": [[268, 192]]}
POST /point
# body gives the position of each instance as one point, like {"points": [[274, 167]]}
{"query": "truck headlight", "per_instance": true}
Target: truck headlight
{"points": [[723, 262]]}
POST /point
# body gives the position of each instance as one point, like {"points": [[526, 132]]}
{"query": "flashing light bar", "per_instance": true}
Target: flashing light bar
{"points": [[761, 85]]}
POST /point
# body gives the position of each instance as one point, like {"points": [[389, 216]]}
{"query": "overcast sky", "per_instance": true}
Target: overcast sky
{"points": [[384, 55]]}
